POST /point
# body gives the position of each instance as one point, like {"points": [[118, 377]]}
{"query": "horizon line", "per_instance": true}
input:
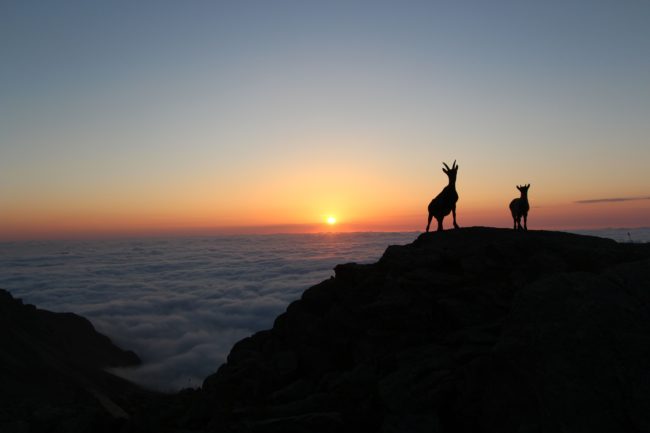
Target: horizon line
{"points": [[251, 231]]}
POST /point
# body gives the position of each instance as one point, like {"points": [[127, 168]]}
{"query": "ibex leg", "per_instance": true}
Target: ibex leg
{"points": [[525, 221], [453, 212], [429, 221]]}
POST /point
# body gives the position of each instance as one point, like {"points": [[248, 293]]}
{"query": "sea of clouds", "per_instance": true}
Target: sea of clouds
{"points": [[180, 303]]}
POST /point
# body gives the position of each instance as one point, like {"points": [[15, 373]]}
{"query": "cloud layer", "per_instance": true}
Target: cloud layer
{"points": [[611, 200], [180, 303]]}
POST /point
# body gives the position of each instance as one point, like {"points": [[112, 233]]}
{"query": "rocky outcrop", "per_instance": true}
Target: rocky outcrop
{"points": [[51, 372], [469, 330]]}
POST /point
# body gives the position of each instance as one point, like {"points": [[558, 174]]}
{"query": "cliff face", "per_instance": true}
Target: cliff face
{"points": [[51, 372], [470, 330]]}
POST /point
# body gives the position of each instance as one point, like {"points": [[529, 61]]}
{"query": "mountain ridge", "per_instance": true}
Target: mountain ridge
{"points": [[52, 372], [468, 330], [436, 332]]}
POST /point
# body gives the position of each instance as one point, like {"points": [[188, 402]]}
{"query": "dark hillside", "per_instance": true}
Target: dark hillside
{"points": [[51, 372], [470, 330], [462, 331]]}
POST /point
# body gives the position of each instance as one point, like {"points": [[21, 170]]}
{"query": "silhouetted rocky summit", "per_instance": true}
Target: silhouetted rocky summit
{"points": [[467, 330]]}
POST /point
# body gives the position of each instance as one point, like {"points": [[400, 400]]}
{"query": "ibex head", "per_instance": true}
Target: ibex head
{"points": [[451, 172], [523, 189]]}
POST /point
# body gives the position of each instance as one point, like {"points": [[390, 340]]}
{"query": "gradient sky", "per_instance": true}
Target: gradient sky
{"points": [[133, 117]]}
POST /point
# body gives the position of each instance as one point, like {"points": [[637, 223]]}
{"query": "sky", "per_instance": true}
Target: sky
{"points": [[198, 116]]}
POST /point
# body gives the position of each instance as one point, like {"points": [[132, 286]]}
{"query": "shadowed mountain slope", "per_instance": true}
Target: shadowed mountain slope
{"points": [[51, 372], [469, 330]]}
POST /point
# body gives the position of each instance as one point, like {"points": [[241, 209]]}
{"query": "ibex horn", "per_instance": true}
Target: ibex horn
{"points": [[446, 166]]}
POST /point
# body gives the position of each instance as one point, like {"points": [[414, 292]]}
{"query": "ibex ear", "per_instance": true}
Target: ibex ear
{"points": [[446, 166]]}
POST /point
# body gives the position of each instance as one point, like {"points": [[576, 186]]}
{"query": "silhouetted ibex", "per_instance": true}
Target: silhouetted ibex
{"points": [[445, 202], [519, 207]]}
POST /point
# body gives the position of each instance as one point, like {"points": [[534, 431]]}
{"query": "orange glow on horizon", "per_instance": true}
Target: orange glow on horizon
{"points": [[73, 224], [291, 199]]}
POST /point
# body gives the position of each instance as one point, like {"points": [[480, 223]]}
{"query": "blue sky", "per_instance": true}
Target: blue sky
{"points": [[156, 105]]}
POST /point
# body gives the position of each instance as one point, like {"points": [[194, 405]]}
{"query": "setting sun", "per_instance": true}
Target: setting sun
{"points": [[331, 220]]}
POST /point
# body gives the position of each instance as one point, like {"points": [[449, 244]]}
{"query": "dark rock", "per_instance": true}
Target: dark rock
{"points": [[469, 330], [51, 371], [319, 422]]}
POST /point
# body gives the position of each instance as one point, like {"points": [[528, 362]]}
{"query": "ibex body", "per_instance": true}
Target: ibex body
{"points": [[519, 208], [445, 202]]}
